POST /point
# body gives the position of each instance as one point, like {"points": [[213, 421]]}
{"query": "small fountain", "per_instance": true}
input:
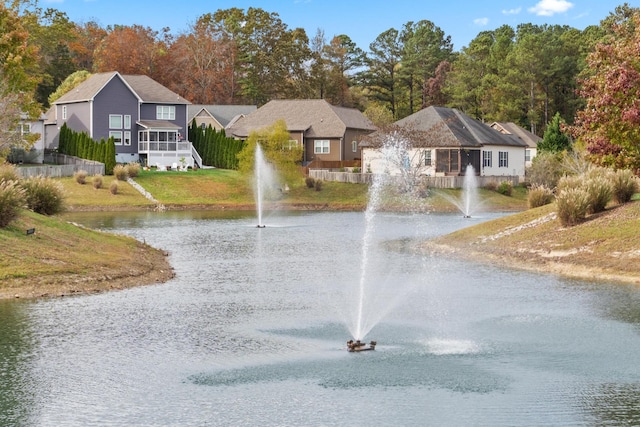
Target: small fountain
{"points": [[264, 182], [469, 202]]}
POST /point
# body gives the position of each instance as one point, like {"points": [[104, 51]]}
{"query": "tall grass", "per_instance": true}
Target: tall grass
{"points": [[624, 185], [43, 195], [11, 201], [539, 195]]}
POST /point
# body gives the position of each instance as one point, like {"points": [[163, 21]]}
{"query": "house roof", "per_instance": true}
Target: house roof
{"points": [[143, 87], [158, 124], [445, 127], [223, 114], [510, 128], [315, 117]]}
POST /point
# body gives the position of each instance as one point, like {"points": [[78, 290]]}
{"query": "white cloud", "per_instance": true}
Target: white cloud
{"points": [[514, 11], [481, 21], [550, 7]]}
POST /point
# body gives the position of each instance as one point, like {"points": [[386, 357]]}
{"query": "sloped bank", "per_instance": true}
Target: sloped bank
{"points": [[605, 247], [60, 258]]}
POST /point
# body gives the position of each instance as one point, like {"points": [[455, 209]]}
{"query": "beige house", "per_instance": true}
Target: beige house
{"points": [[217, 116], [326, 132], [531, 139]]}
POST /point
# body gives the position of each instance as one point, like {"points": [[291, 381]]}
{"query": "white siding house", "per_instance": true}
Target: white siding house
{"points": [[442, 141]]}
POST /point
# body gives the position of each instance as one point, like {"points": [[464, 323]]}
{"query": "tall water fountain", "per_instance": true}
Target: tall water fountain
{"points": [[375, 295], [264, 182]]}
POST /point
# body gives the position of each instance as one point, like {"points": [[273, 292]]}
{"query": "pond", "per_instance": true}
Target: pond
{"points": [[252, 331]]}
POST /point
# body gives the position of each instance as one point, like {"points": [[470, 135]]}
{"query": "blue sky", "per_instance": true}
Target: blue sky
{"points": [[362, 20]]}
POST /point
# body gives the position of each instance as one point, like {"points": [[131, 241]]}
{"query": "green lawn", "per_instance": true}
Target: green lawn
{"points": [[221, 188]]}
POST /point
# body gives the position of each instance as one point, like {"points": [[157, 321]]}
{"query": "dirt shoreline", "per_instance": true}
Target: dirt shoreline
{"points": [[533, 264]]}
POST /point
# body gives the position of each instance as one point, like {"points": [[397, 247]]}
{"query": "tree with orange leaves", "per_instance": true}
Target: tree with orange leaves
{"points": [[199, 65], [131, 50]]}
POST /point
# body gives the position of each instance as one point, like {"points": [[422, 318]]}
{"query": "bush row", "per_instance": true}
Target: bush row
{"points": [[39, 194]]}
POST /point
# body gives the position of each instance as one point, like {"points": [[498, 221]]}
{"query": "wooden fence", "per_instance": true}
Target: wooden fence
{"points": [[63, 166], [430, 181]]}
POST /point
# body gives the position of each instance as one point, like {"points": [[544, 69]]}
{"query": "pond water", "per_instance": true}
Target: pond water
{"points": [[252, 331]]}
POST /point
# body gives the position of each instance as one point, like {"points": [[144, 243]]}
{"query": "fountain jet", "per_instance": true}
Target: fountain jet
{"points": [[264, 182], [468, 202]]}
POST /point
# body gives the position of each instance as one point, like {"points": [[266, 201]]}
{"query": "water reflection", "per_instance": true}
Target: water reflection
{"points": [[17, 350], [251, 331]]}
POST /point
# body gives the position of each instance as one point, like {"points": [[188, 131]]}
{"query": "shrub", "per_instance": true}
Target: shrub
{"points": [[80, 177], [11, 201], [43, 195], [8, 172], [491, 186], [539, 195], [505, 188], [120, 172], [572, 205], [546, 169], [133, 169], [318, 185], [97, 181], [310, 181], [624, 185], [113, 188], [598, 186]]}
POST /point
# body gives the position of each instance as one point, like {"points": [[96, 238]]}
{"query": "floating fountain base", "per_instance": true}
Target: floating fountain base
{"points": [[260, 226], [466, 216], [356, 346]]}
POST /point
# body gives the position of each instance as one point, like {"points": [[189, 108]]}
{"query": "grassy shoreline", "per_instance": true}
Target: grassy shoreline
{"points": [[603, 248], [62, 258]]}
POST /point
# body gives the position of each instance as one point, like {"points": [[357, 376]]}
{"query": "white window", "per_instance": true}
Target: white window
{"points": [[166, 112], [127, 121], [486, 159], [115, 121], [503, 159], [527, 155], [117, 136], [292, 143], [64, 112], [428, 161], [25, 128], [321, 146], [127, 138], [354, 146]]}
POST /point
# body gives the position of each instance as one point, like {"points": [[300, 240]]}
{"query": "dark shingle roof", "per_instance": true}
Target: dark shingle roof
{"points": [[446, 127], [529, 138]]}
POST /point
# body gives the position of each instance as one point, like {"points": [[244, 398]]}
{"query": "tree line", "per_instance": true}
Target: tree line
{"points": [[525, 74]]}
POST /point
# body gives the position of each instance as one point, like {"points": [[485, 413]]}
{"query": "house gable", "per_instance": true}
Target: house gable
{"points": [[111, 104]]}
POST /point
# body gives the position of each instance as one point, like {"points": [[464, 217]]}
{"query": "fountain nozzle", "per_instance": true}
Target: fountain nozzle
{"points": [[357, 345]]}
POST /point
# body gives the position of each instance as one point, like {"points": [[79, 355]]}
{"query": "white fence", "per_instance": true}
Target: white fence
{"points": [[431, 181]]}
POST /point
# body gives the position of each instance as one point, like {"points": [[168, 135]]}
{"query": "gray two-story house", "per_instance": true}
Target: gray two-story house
{"points": [[147, 121]]}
